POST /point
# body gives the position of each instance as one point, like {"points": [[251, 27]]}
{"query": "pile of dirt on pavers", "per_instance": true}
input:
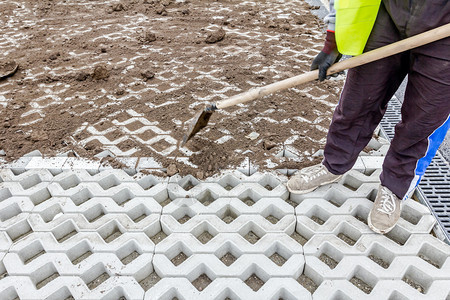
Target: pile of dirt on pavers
{"points": [[128, 76]]}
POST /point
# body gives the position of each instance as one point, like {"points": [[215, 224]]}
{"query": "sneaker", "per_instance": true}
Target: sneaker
{"points": [[310, 178], [385, 211]]}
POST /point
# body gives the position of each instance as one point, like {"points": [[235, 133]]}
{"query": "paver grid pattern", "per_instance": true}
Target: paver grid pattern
{"points": [[97, 233], [120, 129]]}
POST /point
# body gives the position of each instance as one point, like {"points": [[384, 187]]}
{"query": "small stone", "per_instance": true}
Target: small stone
{"points": [[118, 7], [149, 37], [161, 10], [120, 92], [215, 36], [252, 136], [172, 170], [300, 20], [54, 56], [2, 153], [200, 175], [147, 75], [100, 72], [285, 27], [269, 144], [82, 76]]}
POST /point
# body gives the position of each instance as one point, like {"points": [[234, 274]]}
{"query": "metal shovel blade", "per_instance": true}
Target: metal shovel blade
{"points": [[198, 123]]}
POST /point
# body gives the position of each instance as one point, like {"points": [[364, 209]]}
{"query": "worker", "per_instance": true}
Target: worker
{"points": [[356, 26]]}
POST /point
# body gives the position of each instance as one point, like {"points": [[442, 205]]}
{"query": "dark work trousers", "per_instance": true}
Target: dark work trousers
{"points": [[368, 88]]}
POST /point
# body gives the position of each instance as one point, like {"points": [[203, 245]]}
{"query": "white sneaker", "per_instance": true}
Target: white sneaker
{"points": [[385, 212], [310, 178]]}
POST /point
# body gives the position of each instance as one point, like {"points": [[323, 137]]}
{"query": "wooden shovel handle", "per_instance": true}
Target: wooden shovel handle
{"points": [[395, 48]]}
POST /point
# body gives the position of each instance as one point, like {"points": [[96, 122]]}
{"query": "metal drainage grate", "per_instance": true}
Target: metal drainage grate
{"points": [[434, 188]]}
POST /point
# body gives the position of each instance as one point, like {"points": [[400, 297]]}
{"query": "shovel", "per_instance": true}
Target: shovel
{"points": [[201, 119]]}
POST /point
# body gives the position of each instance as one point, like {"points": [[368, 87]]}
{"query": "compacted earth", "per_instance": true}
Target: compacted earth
{"points": [[112, 79]]}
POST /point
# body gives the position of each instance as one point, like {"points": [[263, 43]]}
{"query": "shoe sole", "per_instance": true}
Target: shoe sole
{"points": [[376, 230], [297, 192]]}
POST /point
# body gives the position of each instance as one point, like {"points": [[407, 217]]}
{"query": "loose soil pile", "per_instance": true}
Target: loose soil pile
{"points": [[127, 77]]}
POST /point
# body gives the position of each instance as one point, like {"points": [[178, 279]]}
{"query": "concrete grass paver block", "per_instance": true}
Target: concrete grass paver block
{"points": [[139, 268], [255, 191], [119, 222], [93, 241], [334, 224], [62, 287], [242, 224], [368, 242], [223, 243], [400, 267], [233, 288], [51, 163], [11, 221], [372, 162], [337, 190], [229, 206], [18, 164], [146, 163], [5, 242], [16, 175], [333, 206], [73, 163], [243, 267], [384, 289], [95, 207], [14, 205]]}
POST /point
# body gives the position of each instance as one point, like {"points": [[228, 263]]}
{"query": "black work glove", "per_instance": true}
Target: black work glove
{"points": [[328, 56]]}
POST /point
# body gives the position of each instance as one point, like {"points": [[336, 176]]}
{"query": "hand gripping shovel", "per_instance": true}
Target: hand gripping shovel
{"points": [[201, 119]]}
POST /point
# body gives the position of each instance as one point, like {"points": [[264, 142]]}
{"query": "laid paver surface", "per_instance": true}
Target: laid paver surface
{"points": [[103, 233]]}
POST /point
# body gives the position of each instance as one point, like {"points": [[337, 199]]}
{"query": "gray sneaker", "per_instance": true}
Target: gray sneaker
{"points": [[385, 211], [310, 178]]}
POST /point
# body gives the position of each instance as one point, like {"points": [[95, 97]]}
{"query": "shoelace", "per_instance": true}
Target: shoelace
{"points": [[309, 177], [387, 205]]}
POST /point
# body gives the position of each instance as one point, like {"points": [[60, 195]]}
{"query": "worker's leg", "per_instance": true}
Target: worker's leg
{"points": [[425, 119], [364, 99]]}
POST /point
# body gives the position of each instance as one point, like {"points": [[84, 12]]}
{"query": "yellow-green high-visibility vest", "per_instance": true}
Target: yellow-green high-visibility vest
{"points": [[354, 22]]}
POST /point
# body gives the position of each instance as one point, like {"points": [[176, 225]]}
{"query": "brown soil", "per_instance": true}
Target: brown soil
{"points": [[362, 285], [179, 259], [228, 259], [149, 281], [254, 282], [201, 282], [307, 283], [85, 65]]}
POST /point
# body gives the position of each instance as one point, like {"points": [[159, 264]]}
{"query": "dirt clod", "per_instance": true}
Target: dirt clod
{"points": [[82, 76], [149, 37], [118, 7], [8, 68], [269, 144], [215, 36], [100, 72], [147, 75], [172, 170]]}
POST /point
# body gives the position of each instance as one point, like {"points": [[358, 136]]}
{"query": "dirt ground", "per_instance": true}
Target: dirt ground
{"points": [[128, 76]]}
